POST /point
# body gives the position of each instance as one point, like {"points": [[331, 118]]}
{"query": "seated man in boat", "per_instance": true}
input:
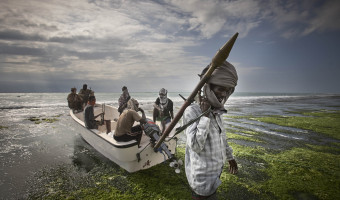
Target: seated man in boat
{"points": [[74, 100], [163, 108], [89, 118], [125, 131], [123, 100]]}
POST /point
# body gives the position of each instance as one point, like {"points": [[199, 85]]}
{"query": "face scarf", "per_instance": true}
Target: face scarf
{"points": [[126, 94], [164, 97], [132, 104], [224, 75]]}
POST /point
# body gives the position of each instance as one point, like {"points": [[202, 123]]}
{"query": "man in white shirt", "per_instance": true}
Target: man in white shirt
{"points": [[206, 147]]}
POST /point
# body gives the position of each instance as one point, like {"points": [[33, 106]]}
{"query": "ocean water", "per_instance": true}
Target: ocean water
{"points": [[29, 142]]}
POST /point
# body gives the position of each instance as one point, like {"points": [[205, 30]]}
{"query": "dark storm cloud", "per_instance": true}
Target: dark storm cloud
{"points": [[18, 35], [6, 49], [12, 35], [71, 39], [95, 49], [15, 18]]}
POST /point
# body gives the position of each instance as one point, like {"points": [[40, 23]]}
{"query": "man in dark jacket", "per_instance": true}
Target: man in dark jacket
{"points": [[85, 94], [123, 100], [89, 118], [163, 108], [74, 101]]}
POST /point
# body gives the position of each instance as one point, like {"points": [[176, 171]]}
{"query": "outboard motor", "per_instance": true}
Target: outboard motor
{"points": [[152, 130]]}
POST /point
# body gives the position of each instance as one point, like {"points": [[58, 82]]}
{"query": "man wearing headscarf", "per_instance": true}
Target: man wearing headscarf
{"points": [[74, 101], [123, 99], [163, 108], [207, 149], [85, 93], [125, 131]]}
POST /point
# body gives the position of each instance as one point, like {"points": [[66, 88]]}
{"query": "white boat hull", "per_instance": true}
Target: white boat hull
{"points": [[126, 154]]}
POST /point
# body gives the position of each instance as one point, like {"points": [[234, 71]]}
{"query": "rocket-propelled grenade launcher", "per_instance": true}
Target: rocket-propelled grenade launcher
{"points": [[218, 60]]}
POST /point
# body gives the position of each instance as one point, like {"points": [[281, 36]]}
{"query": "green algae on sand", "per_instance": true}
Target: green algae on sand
{"points": [[3, 127], [108, 182], [325, 122], [312, 172], [38, 120], [307, 172], [304, 171]]}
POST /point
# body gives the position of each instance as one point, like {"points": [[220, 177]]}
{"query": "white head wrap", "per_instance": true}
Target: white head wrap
{"points": [[224, 75], [132, 104], [164, 98]]}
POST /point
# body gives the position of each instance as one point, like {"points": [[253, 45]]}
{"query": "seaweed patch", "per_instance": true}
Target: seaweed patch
{"points": [[38, 120]]}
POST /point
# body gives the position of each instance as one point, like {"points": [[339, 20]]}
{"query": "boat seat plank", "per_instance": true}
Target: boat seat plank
{"points": [[116, 143]]}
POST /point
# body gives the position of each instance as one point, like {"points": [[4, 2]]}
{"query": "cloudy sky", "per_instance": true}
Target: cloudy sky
{"points": [[283, 46]]}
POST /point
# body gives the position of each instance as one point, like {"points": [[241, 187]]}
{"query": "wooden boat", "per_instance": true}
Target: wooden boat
{"points": [[126, 154]]}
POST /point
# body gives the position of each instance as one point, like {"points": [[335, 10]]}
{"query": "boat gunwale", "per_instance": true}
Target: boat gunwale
{"points": [[74, 117]]}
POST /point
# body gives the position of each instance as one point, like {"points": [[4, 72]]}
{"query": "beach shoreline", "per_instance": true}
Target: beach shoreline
{"points": [[277, 140]]}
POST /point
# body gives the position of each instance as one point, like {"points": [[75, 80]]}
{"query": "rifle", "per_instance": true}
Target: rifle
{"points": [[102, 114], [221, 55]]}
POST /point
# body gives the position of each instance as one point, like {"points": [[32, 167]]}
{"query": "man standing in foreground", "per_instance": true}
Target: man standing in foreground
{"points": [[206, 145]]}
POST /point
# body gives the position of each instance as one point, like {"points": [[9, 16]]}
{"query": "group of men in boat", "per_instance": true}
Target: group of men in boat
{"points": [[77, 102], [128, 110], [207, 149]]}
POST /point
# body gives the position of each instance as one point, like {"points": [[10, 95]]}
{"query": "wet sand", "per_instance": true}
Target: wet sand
{"points": [[276, 160]]}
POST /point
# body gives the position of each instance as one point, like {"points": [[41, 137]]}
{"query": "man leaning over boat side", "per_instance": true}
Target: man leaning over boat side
{"points": [[125, 131], [89, 118], [206, 146], [123, 100]]}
